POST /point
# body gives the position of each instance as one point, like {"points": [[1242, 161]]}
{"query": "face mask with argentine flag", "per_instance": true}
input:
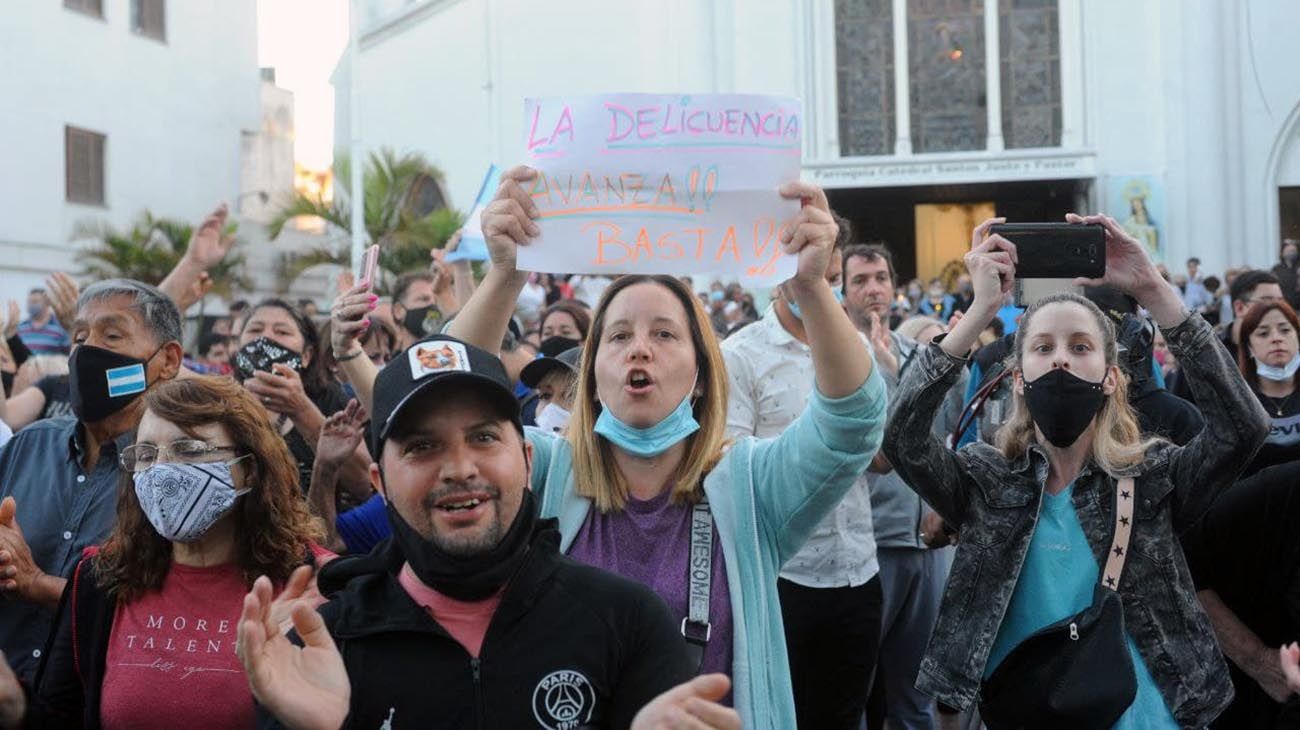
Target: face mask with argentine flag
{"points": [[102, 382]]}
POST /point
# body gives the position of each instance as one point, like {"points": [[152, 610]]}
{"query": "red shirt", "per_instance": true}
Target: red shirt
{"points": [[171, 655], [466, 621]]}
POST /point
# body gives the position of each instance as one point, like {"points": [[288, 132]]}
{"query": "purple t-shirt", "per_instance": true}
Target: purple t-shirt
{"points": [[650, 542]]}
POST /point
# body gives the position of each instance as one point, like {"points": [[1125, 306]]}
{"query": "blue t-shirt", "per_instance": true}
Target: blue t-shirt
{"points": [[1057, 580], [364, 526]]}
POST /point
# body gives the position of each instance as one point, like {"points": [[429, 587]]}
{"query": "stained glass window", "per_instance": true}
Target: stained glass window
{"points": [[946, 67], [1030, 45], [864, 70]]}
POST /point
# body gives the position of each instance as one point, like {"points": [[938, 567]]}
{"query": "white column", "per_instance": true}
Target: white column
{"points": [[1070, 24], [354, 117], [902, 90], [992, 77]]}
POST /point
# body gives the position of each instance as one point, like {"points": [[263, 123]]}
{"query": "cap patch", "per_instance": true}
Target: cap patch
{"points": [[428, 358]]}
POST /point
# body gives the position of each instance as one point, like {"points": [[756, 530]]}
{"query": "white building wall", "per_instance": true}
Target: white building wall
{"points": [[172, 112], [1199, 94]]}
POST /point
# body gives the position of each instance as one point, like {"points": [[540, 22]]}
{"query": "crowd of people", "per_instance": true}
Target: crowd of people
{"points": [[538, 500]]}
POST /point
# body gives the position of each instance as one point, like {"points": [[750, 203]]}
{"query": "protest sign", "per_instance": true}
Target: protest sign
{"points": [[473, 246], [663, 184]]}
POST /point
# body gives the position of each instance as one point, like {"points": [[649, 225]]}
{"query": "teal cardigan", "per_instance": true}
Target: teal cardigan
{"points": [[766, 496]]}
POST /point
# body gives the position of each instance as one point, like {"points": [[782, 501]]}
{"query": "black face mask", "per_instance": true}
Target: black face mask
{"points": [[423, 321], [467, 578], [554, 345], [7, 380], [261, 354], [102, 382], [1062, 405]]}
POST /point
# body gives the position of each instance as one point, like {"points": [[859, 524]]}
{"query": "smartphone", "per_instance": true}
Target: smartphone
{"points": [[1056, 250], [368, 262]]}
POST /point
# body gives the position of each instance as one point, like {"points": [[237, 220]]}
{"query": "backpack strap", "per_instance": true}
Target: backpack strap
{"points": [[1124, 498]]}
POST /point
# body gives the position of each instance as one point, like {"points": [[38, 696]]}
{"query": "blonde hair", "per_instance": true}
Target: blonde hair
{"points": [[1118, 443], [595, 473], [915, 325]]}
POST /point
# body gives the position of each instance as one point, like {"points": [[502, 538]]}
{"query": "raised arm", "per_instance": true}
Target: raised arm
{"points": [[208, 245], [1235, 423], [462, 270], [507, 224], [349, 319], [840, 360], [920, 456]]}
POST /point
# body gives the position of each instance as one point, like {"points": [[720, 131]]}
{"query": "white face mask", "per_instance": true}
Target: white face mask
{"points": [[1279, 374], [184, 501], [552, 418]]}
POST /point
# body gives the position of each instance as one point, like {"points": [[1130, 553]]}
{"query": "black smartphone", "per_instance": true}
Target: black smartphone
{"points": [[1056, 250]]}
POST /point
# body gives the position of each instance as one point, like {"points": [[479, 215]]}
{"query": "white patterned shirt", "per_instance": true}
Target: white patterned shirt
{"points": [[771, 376]]}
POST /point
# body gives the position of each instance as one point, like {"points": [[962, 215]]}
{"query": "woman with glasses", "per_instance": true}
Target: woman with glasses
{"points": [[145, 632]]}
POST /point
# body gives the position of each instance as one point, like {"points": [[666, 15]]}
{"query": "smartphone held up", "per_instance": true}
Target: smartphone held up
{"points": [[366, 277], [1052, 255]]}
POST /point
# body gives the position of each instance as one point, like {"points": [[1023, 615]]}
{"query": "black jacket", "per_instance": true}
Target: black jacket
{"points": [[570, 647], [66, 690]]}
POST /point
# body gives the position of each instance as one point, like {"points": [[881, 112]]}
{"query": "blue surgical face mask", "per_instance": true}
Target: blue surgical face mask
{"points": [[798, 313], [1278, 374], [716, 295], [653, 441]]}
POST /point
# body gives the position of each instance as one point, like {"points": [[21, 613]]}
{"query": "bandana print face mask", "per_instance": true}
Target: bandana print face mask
{"points": [[184, 501]]}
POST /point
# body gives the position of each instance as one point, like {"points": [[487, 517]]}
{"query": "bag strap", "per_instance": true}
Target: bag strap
{"points": [[699, 581], [75, 608], [1123, 530]]}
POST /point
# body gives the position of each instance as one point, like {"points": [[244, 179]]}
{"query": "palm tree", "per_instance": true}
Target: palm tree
{"points": [[149, 250], [405, 213]]}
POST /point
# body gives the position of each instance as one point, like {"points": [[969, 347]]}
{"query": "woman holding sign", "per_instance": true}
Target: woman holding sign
{"points": [[644, 484], [1070, 603]]}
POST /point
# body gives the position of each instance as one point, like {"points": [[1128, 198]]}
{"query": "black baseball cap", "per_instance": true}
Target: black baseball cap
{"points": [[437, 362], [534, 371]]}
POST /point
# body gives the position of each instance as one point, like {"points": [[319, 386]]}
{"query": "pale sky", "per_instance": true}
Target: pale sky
{"points": [[302, 39]]}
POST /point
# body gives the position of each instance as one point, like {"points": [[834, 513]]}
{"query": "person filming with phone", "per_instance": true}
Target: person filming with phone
{"points": [[1070, 598]]}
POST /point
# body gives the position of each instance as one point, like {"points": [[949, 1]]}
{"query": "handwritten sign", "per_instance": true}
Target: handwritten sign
{"points": [[663, 184]]}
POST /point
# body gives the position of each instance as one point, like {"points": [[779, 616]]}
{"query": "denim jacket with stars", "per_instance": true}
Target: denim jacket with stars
{"points": [[994, 502]]}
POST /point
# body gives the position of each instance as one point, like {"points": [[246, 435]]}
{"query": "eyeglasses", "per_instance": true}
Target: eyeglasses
{"points": [[1263, 300], [138, 457]]}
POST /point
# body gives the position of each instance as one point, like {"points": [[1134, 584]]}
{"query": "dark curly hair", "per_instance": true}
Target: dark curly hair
{"points": [[273, 527]]}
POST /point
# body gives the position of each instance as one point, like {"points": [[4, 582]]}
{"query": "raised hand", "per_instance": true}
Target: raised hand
{"points": [[811, 235], [63, 293], [881, 345], [19, 574], [294, 590], [508, 221], [1130, 270], [12, 319], [306, 687], [349, 318], [1290, 656], [209, 243], [341, 434], [690, 706], [991, 263], [280, 391]]}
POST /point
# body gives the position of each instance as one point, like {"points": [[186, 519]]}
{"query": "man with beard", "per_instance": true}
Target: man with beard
{"points": [[469, 616], [59, 476]]}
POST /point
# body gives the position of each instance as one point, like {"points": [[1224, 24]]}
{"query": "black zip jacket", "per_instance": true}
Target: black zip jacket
{"points": [[569, 647]]}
